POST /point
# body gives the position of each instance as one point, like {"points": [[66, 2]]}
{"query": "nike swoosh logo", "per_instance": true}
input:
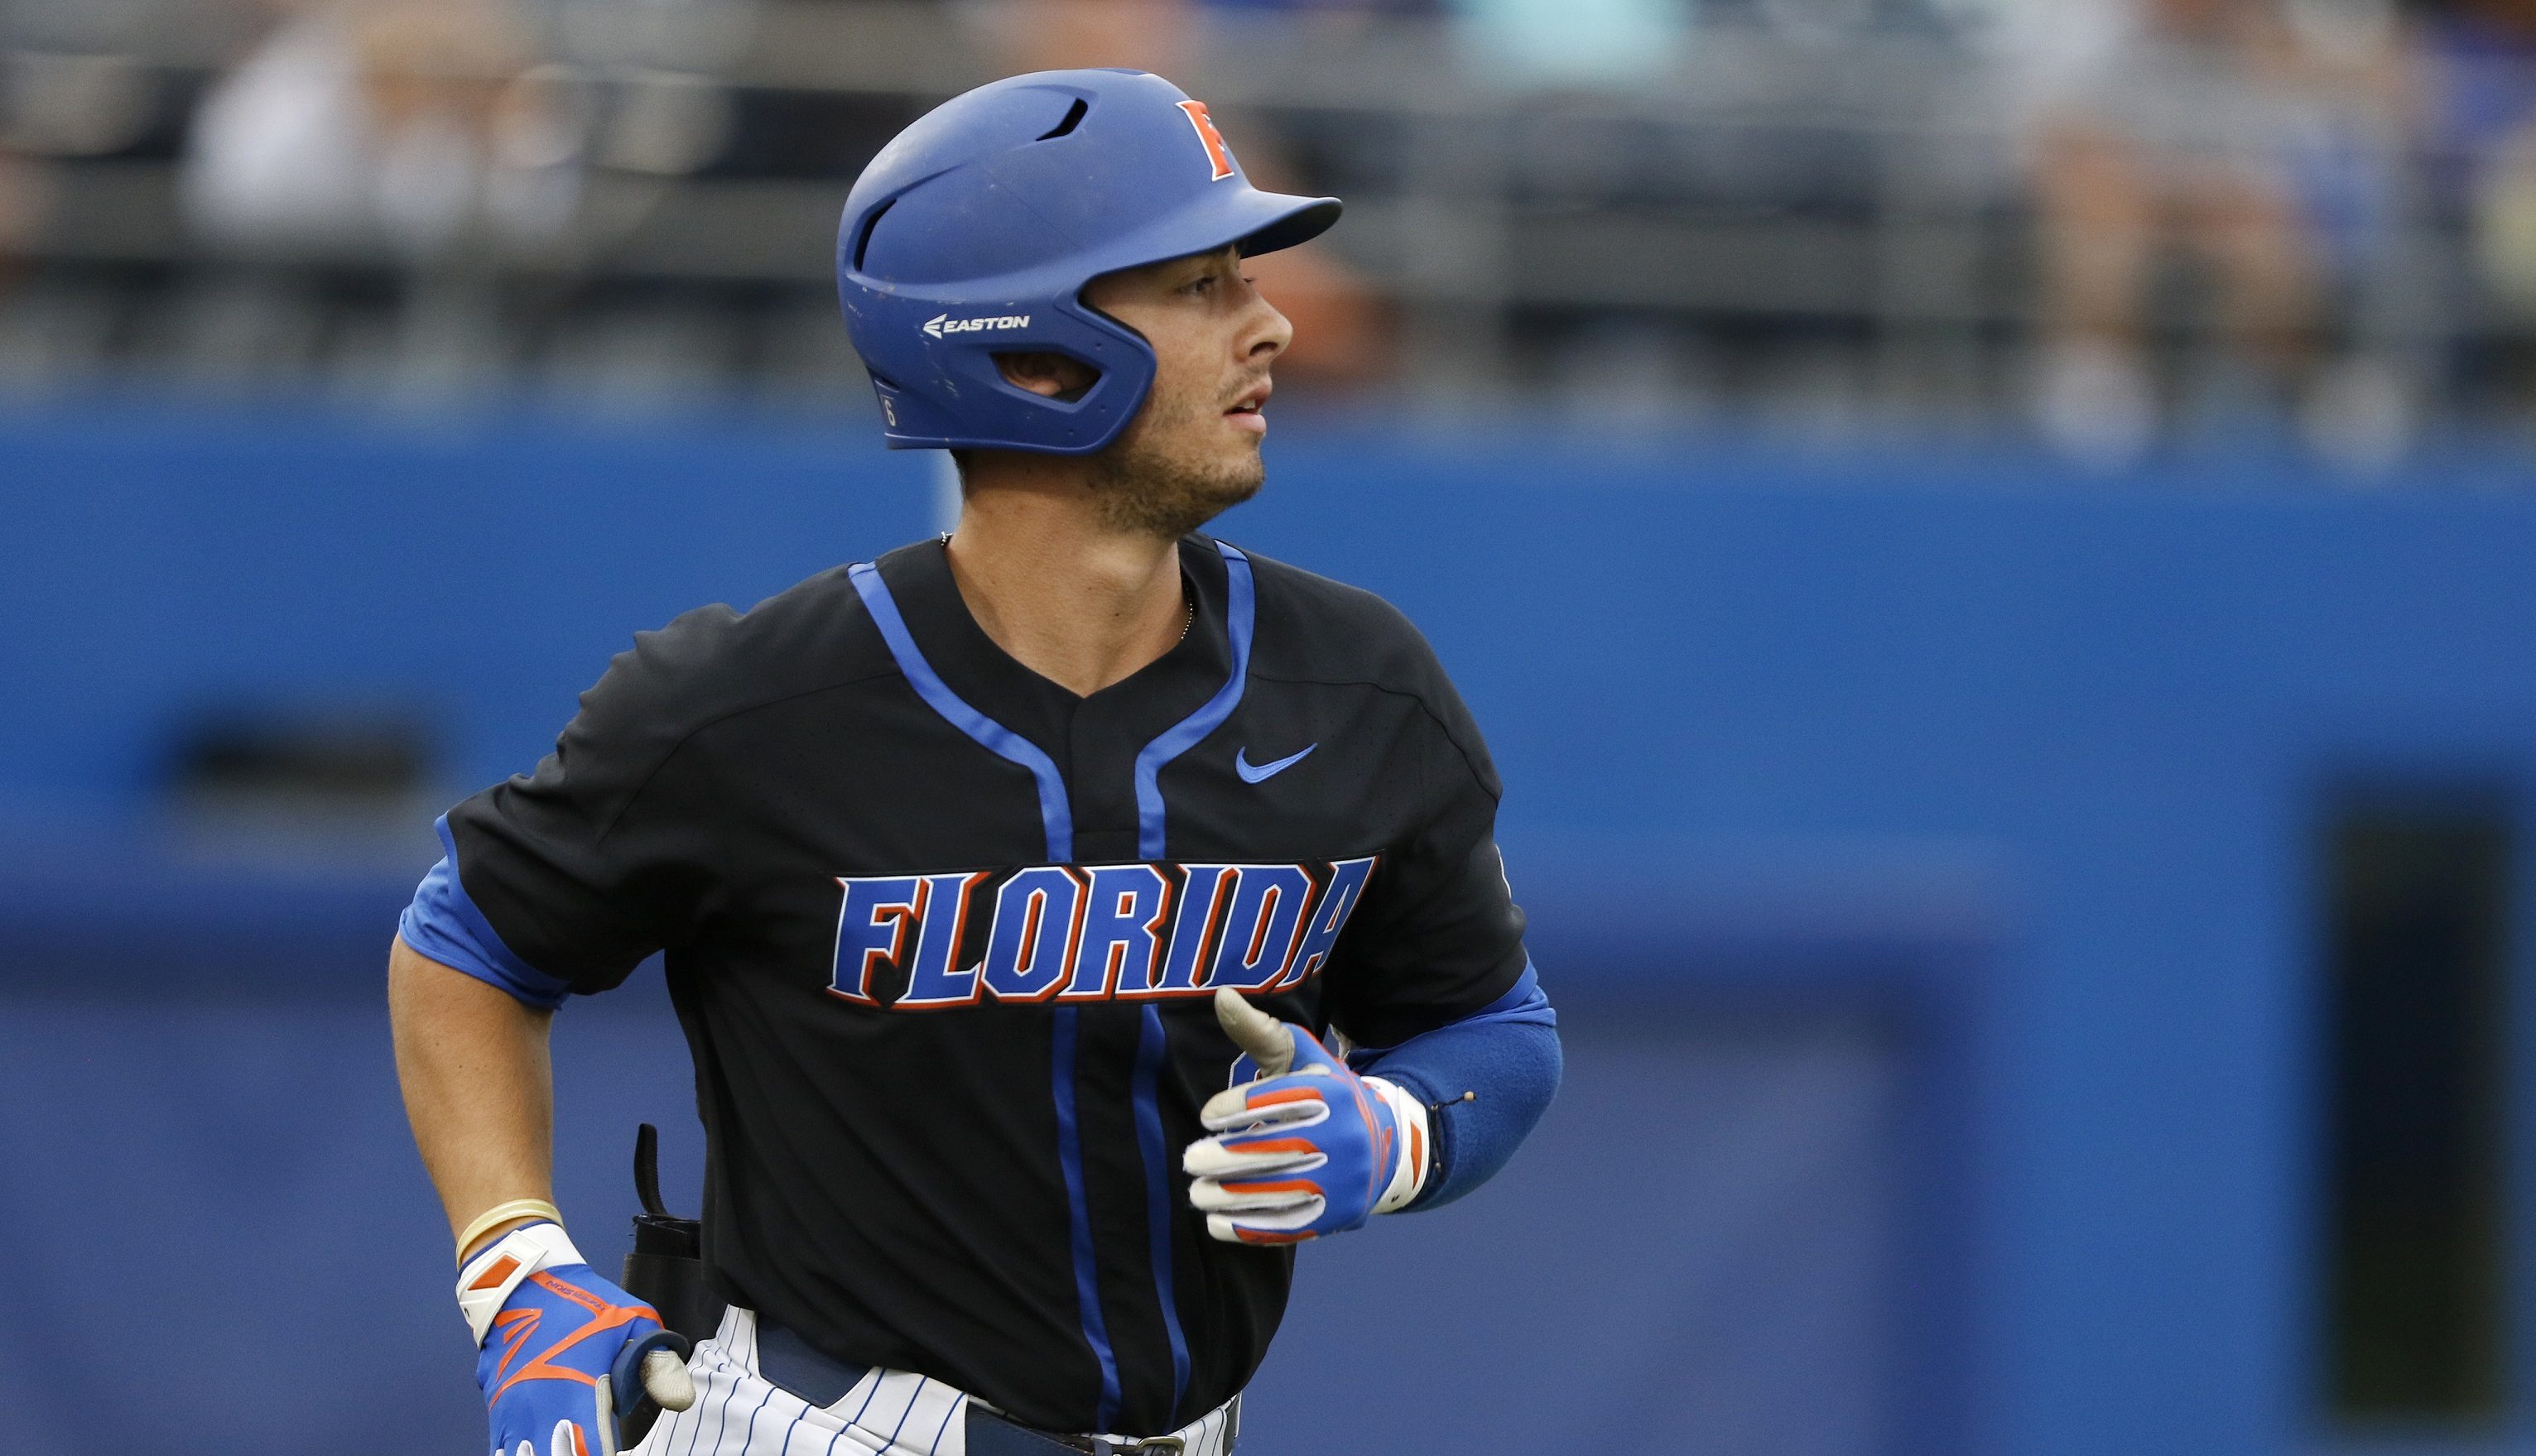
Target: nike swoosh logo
{"points": [[1253, 773]]}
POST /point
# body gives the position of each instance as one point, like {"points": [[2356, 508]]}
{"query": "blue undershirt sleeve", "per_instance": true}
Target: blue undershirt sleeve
{"points": [[1505, 1056], [445, 925]]}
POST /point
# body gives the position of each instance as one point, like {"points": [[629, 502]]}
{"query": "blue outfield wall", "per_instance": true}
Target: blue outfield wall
{"points": [[2018, 772]]}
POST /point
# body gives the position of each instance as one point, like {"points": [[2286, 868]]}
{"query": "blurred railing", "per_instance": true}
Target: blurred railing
{"points": [[1838, 222]]}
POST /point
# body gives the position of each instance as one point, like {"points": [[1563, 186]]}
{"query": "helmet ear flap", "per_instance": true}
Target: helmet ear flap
{"points": [[1105, 376]]}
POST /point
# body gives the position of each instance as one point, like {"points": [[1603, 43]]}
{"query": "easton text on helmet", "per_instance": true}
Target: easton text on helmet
{"points": [[943, 323]]}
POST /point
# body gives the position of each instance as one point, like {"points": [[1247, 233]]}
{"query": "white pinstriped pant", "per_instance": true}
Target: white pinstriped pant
{"points": [[888, 1413]]}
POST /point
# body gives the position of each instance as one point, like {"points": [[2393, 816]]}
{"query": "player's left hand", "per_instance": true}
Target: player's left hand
{"points": [[1305, 1148], [565, 1352]]}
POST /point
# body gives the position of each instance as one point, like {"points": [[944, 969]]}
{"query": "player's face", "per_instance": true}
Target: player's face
{"points": [[1193, 451]]}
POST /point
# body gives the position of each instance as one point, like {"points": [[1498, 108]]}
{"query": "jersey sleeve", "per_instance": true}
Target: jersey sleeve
{"points": [[1440, 935], [563, 881]]}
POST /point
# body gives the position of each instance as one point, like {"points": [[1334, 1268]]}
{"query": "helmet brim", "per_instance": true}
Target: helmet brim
{"points": [[1307, 219], [1253, 221]]}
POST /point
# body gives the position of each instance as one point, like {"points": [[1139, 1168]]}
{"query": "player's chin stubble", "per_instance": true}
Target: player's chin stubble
{"points": [[1159, 479]]}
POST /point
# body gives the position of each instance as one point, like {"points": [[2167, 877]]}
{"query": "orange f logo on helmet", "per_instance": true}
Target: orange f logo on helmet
{"points": [[1216, 151]]}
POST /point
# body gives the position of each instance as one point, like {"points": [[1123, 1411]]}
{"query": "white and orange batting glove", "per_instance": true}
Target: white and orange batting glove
{"points": [[1308, 1146], [564, 1353]]}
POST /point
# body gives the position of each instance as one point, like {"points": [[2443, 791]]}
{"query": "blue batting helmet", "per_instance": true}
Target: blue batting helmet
{"points": [[974, 231]]}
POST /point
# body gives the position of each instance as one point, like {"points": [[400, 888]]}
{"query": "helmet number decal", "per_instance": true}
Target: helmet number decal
{"points": [[1213, 139]]}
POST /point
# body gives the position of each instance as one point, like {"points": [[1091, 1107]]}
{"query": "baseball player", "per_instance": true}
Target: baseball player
{"points": [[1067, 916]]}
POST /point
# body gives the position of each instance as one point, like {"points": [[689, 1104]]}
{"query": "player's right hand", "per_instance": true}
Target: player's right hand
{"points": [[563, 1351]]}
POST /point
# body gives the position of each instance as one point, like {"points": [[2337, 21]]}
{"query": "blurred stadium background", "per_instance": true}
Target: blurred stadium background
{"points": [[1995, 541]]}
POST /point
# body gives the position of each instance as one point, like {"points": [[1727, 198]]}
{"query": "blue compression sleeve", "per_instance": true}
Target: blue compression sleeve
{"points": [[1507, 1055], [444, 924]]}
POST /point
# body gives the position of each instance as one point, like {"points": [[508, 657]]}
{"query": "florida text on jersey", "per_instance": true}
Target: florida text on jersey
{"points": [[942, 935]]}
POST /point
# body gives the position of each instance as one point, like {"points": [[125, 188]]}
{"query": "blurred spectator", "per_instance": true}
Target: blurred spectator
{"points": [[55, 103], [25, 201], [57, 106], [2477, 116], [413, 122], [1576, 43], [1156, 35], [2178, 135]]}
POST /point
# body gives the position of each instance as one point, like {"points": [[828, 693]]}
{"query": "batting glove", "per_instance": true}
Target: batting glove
{"points": [[564, 1352], [1305, 1147]]}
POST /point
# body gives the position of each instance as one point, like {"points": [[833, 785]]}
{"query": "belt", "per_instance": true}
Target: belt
{"points": [[786, 1359]]}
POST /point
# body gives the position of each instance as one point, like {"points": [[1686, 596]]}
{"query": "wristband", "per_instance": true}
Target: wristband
{"points": [[517, 1208], [485, 1284], [1413, 1159]]}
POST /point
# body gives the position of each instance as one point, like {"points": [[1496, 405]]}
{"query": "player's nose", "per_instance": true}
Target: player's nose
{"points": [[1266, 333]]}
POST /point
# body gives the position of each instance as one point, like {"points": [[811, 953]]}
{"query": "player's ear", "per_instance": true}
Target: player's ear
{"points": [[1055, 375]]}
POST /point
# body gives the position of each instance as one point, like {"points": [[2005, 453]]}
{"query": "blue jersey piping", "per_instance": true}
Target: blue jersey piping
{"points": [[1087, 1275], [1152, 843], [1056, 817], [1239, 609], [1158, 1223]]}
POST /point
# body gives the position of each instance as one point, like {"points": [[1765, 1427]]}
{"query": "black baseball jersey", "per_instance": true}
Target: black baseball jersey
{"points": [[943, 936]]}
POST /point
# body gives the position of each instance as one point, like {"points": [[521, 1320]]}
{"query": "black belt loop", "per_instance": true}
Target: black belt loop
{"points": [[785, 1361]]}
